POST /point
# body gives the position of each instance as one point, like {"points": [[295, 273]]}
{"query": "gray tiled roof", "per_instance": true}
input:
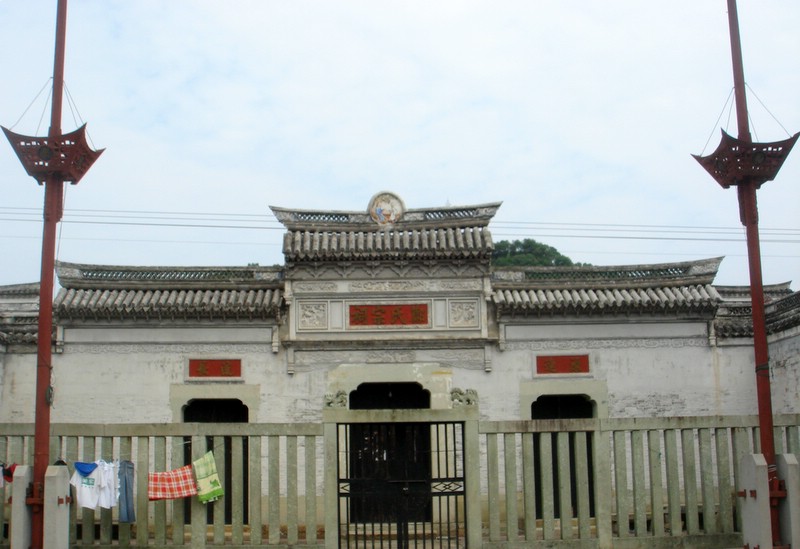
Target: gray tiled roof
{"points": [[432, 233], [735, 319], [108, 292], [19, 310], [600, 300], [741, 294], [784, 313], [674, 287], [396, 243]]}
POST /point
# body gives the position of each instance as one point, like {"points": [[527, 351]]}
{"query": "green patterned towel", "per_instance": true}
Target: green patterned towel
{"points": [[209, 487]]}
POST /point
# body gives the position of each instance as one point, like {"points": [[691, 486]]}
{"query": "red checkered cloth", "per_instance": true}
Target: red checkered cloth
{"points": [[178, 483]]}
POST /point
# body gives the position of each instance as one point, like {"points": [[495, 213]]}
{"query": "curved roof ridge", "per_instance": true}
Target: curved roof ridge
{"points": [[701, 271], [772, 292], [335, 220], [78, 275], [29, 288]]}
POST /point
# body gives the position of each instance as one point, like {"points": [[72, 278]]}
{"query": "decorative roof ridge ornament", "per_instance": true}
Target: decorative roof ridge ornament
{"points": [[386, 208], [475, 215]]}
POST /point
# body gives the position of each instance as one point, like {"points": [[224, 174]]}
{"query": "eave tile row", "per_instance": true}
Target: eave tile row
{"points": [[83, 304], [698, 297], [412, 243]]}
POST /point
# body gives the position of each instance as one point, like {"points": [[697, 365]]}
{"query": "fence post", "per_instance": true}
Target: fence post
{"points": [[472, 481], [789, 507], [198, 510], [20, 512], [754, 495], [331, 497], [602, 492], [56, 507]]}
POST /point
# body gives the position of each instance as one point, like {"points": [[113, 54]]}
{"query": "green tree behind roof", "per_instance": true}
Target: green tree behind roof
{"points": [[528, 253]]}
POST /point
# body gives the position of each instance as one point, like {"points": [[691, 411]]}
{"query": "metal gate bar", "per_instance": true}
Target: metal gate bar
{"points": [[401, 485]]}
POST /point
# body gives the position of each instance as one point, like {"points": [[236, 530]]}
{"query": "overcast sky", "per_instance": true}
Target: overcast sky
{"points": [[580, 116]]}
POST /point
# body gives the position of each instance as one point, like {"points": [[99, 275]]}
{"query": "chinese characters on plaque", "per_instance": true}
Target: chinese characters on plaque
{"points": [[410, 314], [215, 367], [562, 364]]}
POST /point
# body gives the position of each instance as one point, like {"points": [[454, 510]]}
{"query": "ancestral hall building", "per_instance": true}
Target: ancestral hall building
{"points": [[373, 302]]}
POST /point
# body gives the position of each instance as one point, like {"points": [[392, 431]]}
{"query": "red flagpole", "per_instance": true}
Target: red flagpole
{"points": [[52, 161], [748, 213], [53, 207]]}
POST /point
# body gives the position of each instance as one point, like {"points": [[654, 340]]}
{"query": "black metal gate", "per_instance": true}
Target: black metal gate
{"points": [[401, 485]]}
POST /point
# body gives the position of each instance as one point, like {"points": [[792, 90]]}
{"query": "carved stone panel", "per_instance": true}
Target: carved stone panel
{"points": [[312, 315], [464, 314]]}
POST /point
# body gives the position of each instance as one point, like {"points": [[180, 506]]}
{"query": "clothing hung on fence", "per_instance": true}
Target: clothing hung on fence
{"points": [[127, 508], [86, 479], [8, 473], [95, 484], [109, 489], [178, 483], [209, 488]]}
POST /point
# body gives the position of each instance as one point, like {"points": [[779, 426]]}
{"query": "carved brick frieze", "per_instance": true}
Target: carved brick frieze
{"points": [[377, 286], [652, 343], [456, 285], [414, 285], [400, 270], [390, 286], [343, 270], [195, 349], [380, 271], [466, 359], [315, 287], [383, 356]]}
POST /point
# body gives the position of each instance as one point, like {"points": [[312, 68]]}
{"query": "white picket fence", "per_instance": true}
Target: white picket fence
{"points": [[655, 482]]}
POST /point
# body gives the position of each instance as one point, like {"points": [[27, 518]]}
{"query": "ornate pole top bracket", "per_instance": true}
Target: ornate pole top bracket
{"points": [[66, 158], [736, 161]]}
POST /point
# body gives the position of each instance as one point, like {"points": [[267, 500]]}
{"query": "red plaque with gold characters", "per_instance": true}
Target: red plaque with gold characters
{"points": [[215, 367], [410, 314], [562, 364]]}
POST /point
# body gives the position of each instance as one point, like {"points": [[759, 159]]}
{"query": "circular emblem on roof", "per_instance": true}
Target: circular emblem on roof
{"points": [[386, 208]]}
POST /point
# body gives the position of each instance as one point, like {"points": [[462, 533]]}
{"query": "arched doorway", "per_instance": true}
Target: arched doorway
{"points": [[220, 410], [563, 407], [401, 475], [390, 396], [215, 410], [390, 463]]}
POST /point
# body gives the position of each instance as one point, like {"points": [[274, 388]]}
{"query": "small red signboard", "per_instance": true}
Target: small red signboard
{"points": [[562, 364], [389, 315], [215, 367]]}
